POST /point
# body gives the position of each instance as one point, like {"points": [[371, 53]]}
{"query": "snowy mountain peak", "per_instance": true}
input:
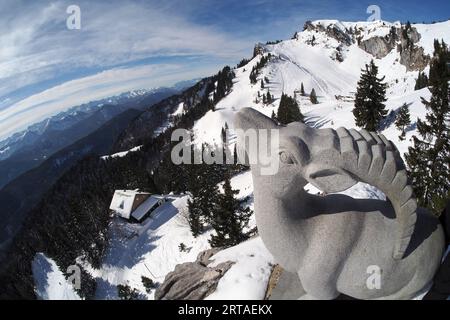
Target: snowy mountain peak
{"points": [[347, 25], [413, 42], [328, 56]]}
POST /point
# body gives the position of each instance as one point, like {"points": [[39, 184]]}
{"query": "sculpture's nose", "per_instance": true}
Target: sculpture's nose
{"points": [[248, 118]]}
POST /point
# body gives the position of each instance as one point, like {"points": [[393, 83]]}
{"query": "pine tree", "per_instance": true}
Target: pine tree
{"points": [[148, 284], [126, 293], [224, 83], [262, 84], [302, 90], [421, 82], [428, 158], [313, 97], [203, 187], [288, 111], [273, 116], [235, 155], [402, 120], [369, 108], [269, 98], [438, 67], [229, 219], [224, 135], [195, 217], [253, 77]]}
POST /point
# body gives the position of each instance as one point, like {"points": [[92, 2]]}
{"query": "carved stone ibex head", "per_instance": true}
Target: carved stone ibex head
{"points": [[335, 160], [329, 242]]}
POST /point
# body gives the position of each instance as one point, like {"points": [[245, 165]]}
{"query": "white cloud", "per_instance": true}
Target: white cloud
{"points": [[40, 47]]}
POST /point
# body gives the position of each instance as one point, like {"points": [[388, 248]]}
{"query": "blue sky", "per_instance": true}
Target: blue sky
{"points": [[123, 45]]}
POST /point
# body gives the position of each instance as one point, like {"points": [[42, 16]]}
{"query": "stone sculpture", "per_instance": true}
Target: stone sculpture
{"points": [[333, 242]]}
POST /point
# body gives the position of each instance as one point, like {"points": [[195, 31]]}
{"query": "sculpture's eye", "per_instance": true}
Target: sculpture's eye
{"points": [[286, 158]]}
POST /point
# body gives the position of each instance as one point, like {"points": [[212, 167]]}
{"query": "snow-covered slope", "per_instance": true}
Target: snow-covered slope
{"points": [[297, 61], [150, 249], [50, 282], [121, 154]]}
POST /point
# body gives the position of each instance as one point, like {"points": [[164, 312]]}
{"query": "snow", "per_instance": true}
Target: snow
{"points": [[179, 110], [4, 150], [151, 248], [121, 154], [429, 32], [50, 282], [248, 277], [296, 62]]}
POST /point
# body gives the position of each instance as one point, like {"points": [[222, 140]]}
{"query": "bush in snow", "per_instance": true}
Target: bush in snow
{"points": [[182, 247], [126, 293], [421, 82], [148, 284]]}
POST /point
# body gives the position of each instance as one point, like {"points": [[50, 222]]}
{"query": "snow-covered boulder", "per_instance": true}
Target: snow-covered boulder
{"points": [[193, 280]]}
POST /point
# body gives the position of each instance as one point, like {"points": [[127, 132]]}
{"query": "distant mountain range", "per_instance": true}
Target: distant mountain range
{"points": [[24, 192], [29, 148]]}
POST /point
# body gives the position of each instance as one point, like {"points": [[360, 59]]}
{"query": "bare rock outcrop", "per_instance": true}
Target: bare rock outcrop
{"points": [[259, 49], [404, 39], [193, 280], [332, 31], [379, 47]]}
